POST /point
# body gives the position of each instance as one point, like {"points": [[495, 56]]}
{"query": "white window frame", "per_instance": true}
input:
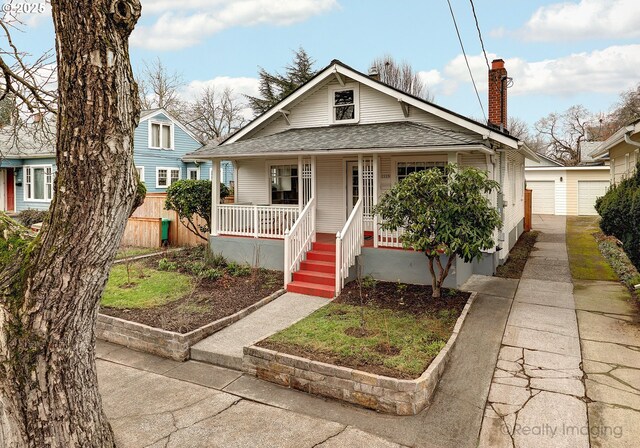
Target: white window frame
{"points": [[169, 170], [627, 163], [409, 159], [191, 170], [274, 163], [140, 170], [161, 123], [26, 176], [356, 103]]}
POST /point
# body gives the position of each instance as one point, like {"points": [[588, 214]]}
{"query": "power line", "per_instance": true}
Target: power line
{"points": [[475, 17], [466, 60]]}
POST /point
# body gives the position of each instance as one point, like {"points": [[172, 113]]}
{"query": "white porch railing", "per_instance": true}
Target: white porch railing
{"points": [[389, 238], [258, 221], [349, 243], [299, 239]]}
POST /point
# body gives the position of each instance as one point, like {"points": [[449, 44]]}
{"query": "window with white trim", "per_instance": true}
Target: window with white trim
{"points": [[344, 104], [284, 184], [38, 183], [140, 170], [403, 169], [166, 176], [160, 135], [193, 173]]}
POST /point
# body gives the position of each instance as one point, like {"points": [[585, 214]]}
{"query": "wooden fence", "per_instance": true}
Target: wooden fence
{"points": [[527, 210], [144, 228]]}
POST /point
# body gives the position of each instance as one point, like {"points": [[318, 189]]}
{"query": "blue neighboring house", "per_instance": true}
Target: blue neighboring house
{"points": [[161, 143]]}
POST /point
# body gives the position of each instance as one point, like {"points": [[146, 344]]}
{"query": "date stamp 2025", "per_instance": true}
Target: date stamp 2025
{"points": [[23, 8]]}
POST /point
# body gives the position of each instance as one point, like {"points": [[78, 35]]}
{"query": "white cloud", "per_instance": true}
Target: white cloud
{"points": [[610, 70], [587, 19], [186, 23]]}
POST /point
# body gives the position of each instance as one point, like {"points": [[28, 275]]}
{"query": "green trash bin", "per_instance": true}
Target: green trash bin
{"points": [[165, 230]]}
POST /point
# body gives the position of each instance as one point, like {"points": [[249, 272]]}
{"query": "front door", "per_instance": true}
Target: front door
{"points": [[353, 194]]}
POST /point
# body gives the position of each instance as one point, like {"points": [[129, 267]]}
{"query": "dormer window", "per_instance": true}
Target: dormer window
{"points": [[343, 101], [160, 135]]}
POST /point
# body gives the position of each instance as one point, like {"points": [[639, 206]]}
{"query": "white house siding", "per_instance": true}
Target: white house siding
{"points": [[375, 107], [253, 186]]}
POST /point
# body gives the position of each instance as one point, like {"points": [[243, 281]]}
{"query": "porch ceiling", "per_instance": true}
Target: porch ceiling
{"points": [[387, 136]]}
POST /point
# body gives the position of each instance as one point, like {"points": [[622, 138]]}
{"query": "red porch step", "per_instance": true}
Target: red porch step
{"points": [[312, 289], [317, 274]]}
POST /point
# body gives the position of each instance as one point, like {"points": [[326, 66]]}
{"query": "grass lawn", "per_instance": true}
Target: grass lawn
{"points": [[394, 342], [585, 260], [133, 251], [148, 288]]}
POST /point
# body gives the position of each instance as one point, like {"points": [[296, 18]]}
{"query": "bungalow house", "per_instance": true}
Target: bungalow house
{"points": [[567, 190], [160, 145], [623, 151], [309, 170]]}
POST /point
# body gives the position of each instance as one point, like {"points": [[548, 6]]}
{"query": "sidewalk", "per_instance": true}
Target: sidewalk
{"points": [[224, 348], [537, 396]]}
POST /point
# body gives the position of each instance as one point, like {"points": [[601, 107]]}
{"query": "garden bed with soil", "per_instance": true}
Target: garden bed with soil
{"points": [[518, 256], [384, 352], [182, 291]]}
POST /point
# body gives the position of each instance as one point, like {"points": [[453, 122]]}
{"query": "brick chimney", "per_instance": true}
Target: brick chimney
{"points": [[498, 94]]}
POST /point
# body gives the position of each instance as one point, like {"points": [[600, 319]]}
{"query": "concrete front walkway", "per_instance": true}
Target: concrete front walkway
{"points": [[537, 396], [610, 339], [224, 348]]}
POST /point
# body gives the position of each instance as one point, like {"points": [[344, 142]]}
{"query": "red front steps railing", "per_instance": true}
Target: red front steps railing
{"points": [[317, 274]]}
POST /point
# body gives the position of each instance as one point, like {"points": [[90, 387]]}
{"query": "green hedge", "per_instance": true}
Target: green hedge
{"points": [[620, 212]]}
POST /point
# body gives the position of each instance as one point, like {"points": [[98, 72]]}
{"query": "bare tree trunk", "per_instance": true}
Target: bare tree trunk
{"points": [[51, 288], [437, 279]]}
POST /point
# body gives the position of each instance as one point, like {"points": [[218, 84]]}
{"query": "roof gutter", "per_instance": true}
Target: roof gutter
{"points": [[284, 154], [528, 152], [623, 134]]}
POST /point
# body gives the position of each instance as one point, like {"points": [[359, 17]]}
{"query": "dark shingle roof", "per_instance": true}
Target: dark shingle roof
{"points": [[342, 137]]}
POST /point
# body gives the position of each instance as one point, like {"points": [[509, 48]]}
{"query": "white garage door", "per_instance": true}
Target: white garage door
{"points": [[588, 192], [543, 197]]}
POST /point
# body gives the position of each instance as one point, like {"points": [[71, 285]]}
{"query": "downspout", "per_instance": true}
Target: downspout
{"points": [[628, 140]]}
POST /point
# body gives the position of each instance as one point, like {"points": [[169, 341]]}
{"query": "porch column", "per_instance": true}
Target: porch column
{"points": [[215, 195], [300, 184], [360, 181], [236, 170], [313, 176], [375, 199]]}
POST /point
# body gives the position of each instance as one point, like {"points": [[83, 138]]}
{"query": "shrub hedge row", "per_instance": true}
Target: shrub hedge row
{"points": [[620, 212]]}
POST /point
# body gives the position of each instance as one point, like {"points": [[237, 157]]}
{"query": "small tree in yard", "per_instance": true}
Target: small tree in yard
{"points": [[443, 213], [190, 198]]}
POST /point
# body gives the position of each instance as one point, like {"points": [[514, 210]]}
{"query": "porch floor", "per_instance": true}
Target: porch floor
{"points": [[330, 238]]}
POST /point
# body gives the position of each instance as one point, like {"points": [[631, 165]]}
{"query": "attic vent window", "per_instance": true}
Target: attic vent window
{"points": [[344, 104]]}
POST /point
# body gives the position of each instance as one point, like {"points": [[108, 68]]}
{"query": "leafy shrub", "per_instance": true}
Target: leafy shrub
{"points": [[238, 270], [190, 198], [196, 267], [166, 265], [369, 282], [215, 260], [620, 212], [210, 274], [32, 216]]}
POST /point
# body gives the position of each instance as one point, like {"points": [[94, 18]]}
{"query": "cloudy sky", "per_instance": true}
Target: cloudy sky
{"points": [[558, 53]]}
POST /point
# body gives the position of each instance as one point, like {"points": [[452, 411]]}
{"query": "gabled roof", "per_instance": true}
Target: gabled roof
{"points": [[150, 113], [602, 151], [547, 159], [381, 136], [337, 67]]}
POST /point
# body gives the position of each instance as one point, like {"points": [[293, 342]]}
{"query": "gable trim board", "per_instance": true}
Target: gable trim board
{"points": [[173, 119]]}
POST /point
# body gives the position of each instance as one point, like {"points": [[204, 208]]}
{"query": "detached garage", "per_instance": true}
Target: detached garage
{"points": [[588, 192], [564, 190], [543, 197]]}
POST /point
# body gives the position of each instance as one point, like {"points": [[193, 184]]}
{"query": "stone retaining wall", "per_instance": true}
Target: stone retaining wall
{"points": [[382, 393], [166, 343]]}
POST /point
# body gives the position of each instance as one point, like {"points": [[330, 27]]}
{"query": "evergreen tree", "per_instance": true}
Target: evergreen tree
{"points": [[275, 86]]}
